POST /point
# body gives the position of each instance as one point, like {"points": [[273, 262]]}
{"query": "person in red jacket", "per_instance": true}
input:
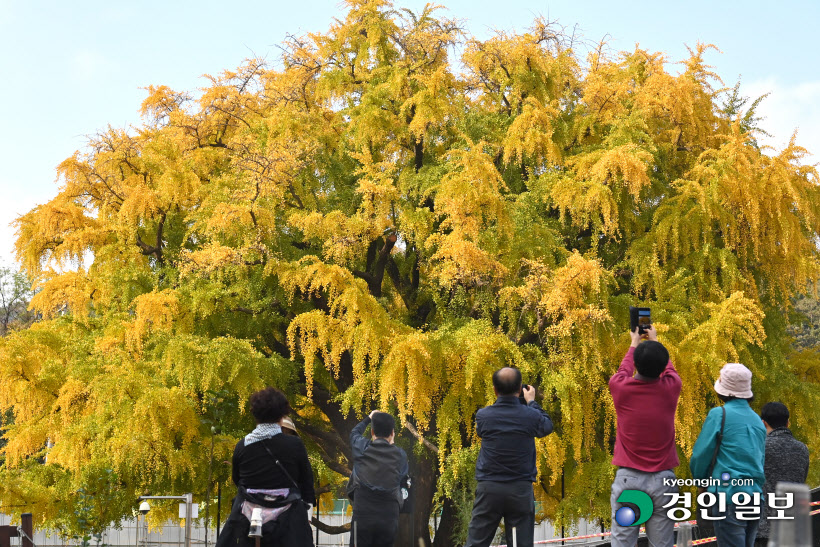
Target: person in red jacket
{"points": [[645, 391]]}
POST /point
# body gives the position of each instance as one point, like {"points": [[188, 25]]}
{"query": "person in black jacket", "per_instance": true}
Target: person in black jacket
{"points": [[267, 459], [375, 486], [505, 469]]}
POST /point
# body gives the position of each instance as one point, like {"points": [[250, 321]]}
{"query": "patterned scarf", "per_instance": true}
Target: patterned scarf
{"points": [[262, 431]]}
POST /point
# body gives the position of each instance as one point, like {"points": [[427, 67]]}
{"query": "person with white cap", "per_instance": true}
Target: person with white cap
{"points": [[731, 449]]}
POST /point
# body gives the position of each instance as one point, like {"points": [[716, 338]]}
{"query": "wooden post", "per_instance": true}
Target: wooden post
{"points": [[6, 533], [27, 523]]}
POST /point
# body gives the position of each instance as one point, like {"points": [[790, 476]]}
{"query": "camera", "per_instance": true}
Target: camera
{"points": [[639, 318], [521, 395]]}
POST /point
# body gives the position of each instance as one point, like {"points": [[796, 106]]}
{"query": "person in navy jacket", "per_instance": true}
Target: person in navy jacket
{"points": [[505, 469]]}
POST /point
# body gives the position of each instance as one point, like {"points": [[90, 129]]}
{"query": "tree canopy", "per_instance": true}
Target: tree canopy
{"points": [[374, 221]]}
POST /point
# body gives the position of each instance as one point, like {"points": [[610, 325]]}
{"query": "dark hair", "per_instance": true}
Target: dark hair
{"points": [[775, 414], [382, 425], [507, 381], [651, 358], [269, 406]]}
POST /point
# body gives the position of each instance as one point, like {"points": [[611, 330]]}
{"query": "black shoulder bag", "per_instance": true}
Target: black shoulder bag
{"points": [[285, 471], [717, 444]]}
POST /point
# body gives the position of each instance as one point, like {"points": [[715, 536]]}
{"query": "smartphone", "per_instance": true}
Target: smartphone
{"points": [[521, 395], [640, 318]]}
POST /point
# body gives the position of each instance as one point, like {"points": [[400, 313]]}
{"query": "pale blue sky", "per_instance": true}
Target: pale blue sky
{"points": [[71, 68]]}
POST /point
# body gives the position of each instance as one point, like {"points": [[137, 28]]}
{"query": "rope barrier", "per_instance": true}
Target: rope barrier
{"points": [[591, 536], [710, 540]]}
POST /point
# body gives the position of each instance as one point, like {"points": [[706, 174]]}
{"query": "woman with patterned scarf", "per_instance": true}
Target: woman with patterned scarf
{"points": [[271, 471]]}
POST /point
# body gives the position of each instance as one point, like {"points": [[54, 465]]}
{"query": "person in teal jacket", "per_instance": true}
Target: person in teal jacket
{"points": [[739, 458]]}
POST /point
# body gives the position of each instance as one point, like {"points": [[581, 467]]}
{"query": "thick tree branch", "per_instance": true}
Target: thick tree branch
{"points": [[381, 262], [155, 250], [328, 529], [327, 439], [414, 432]]}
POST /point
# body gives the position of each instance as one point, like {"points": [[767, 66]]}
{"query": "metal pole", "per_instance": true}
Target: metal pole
{"points": [[317, 518], [189, 511], [684, 535], [218, 507], [794, 532], [562, 499]]}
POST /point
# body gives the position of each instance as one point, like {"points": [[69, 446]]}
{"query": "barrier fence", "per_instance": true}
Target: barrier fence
{"points": [[132, 533]]}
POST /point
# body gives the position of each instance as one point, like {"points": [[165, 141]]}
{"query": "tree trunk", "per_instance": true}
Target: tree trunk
{"points": [[446, 525], [423, 472]]}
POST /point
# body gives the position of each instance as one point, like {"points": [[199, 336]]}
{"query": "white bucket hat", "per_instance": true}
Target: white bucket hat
{"points": [[287, 423], [735, 381]]}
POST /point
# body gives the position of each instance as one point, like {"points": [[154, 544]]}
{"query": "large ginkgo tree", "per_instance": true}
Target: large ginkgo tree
{"points": [[380, 219]]}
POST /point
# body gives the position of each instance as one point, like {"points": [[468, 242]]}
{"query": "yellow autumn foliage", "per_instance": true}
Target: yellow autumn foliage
{"points": [[365, 225]]}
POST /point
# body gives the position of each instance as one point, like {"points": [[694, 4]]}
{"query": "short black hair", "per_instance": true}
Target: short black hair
{"points": [[507, 381], [269, 406], [651, 358], [382, 424], [775, 414]]}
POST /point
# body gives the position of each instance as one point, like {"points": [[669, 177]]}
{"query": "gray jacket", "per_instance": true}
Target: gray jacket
{"points": [[787, 460]]}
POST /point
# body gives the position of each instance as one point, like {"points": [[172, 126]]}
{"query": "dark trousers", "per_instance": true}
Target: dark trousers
{"points": [[374, 532], [512, 501]]}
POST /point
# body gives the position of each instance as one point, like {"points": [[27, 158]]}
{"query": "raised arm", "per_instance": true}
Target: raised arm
{"points": [[542, 425], [358, 442]]}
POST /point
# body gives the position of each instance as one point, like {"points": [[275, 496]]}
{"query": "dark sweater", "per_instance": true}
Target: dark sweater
{"points": [[253, 467], [787, 460]]}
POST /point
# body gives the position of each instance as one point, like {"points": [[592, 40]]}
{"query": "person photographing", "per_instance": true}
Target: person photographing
{"points": [[645, 391], [505, 469], [375, 487]]}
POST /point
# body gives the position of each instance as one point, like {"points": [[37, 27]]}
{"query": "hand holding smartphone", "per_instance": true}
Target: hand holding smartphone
{"points": [[639, 318]]}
